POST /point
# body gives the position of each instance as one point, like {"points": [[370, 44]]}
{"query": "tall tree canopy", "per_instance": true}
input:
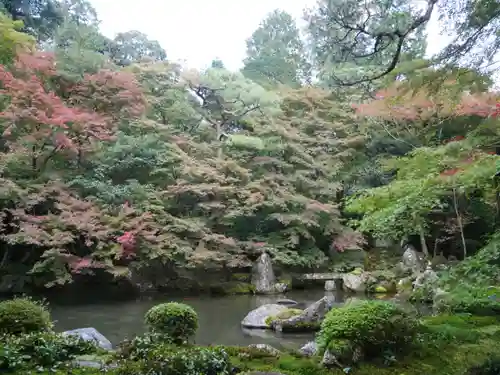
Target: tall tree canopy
{"points": [[134, 46], [276, 54]]}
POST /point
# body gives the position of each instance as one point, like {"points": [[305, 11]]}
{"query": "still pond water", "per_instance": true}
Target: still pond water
{"points": [[219, 318]]}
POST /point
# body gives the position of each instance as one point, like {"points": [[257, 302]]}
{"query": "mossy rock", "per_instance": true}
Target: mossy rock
{"points": [[283, 315], [380, 289]]}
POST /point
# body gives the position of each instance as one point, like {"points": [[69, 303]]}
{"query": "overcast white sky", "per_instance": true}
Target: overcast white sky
{"points": [[198, 31]]}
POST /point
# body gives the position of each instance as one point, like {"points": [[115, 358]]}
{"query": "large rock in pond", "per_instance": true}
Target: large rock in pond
{"points": [[309, 320], [91, 334], [257, 318], [263, 278]]}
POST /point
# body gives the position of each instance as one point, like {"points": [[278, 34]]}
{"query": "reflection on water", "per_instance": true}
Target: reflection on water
{"points": [[220, 318]]}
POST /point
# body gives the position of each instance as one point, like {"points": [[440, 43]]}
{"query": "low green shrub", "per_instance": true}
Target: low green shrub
{"points": [[41, 350], [23, 315], [166, 360], [140, 346], [175, 321], [374, 327]]}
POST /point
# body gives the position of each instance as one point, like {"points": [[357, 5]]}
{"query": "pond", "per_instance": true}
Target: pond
{"points": [[219, 318]]}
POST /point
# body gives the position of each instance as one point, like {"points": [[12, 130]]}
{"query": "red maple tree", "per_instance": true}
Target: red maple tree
{"points": [[398, 103], [38, 116]]}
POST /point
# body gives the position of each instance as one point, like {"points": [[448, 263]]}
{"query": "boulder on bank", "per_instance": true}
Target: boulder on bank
{"points": [[257, 318], [91, 334]]}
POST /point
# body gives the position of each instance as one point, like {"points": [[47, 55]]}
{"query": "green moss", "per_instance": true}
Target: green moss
{"points": [[240, 288], [380, 289], [283, 315], [484, 301], [357, 271], [242, 277], [465, 321]]}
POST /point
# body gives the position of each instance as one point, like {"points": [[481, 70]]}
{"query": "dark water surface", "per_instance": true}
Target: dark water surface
{"points": [[219, 318]]}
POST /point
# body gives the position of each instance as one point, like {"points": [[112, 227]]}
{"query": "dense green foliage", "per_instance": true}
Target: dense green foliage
{"points": [[23, 315], [41, 350], [131, 167], [375, 327], [175, 321]]}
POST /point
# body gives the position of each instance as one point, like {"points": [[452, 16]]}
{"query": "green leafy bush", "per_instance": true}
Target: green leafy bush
{"points": [[23, 315], [373, 327], [41, 350], [140, 346], [164, 359], [175, 321]]}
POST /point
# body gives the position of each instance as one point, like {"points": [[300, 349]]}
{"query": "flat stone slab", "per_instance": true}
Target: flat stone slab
{"points": [[322, 276], [257, 318], [286, 302]]}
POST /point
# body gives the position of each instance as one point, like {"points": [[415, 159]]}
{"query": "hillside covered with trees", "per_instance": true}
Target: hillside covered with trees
{"points": [[118, 164]]}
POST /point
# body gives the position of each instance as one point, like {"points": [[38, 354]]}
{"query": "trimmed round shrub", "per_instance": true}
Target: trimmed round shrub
{"points": [[176, 321], [23, 315], [374, 327]]}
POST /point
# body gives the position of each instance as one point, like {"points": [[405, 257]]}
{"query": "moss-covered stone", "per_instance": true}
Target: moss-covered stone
{"points": [[283, 315]]}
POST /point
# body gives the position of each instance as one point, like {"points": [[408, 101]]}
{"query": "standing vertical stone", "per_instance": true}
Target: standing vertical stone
{"points": [[263, 275]]}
